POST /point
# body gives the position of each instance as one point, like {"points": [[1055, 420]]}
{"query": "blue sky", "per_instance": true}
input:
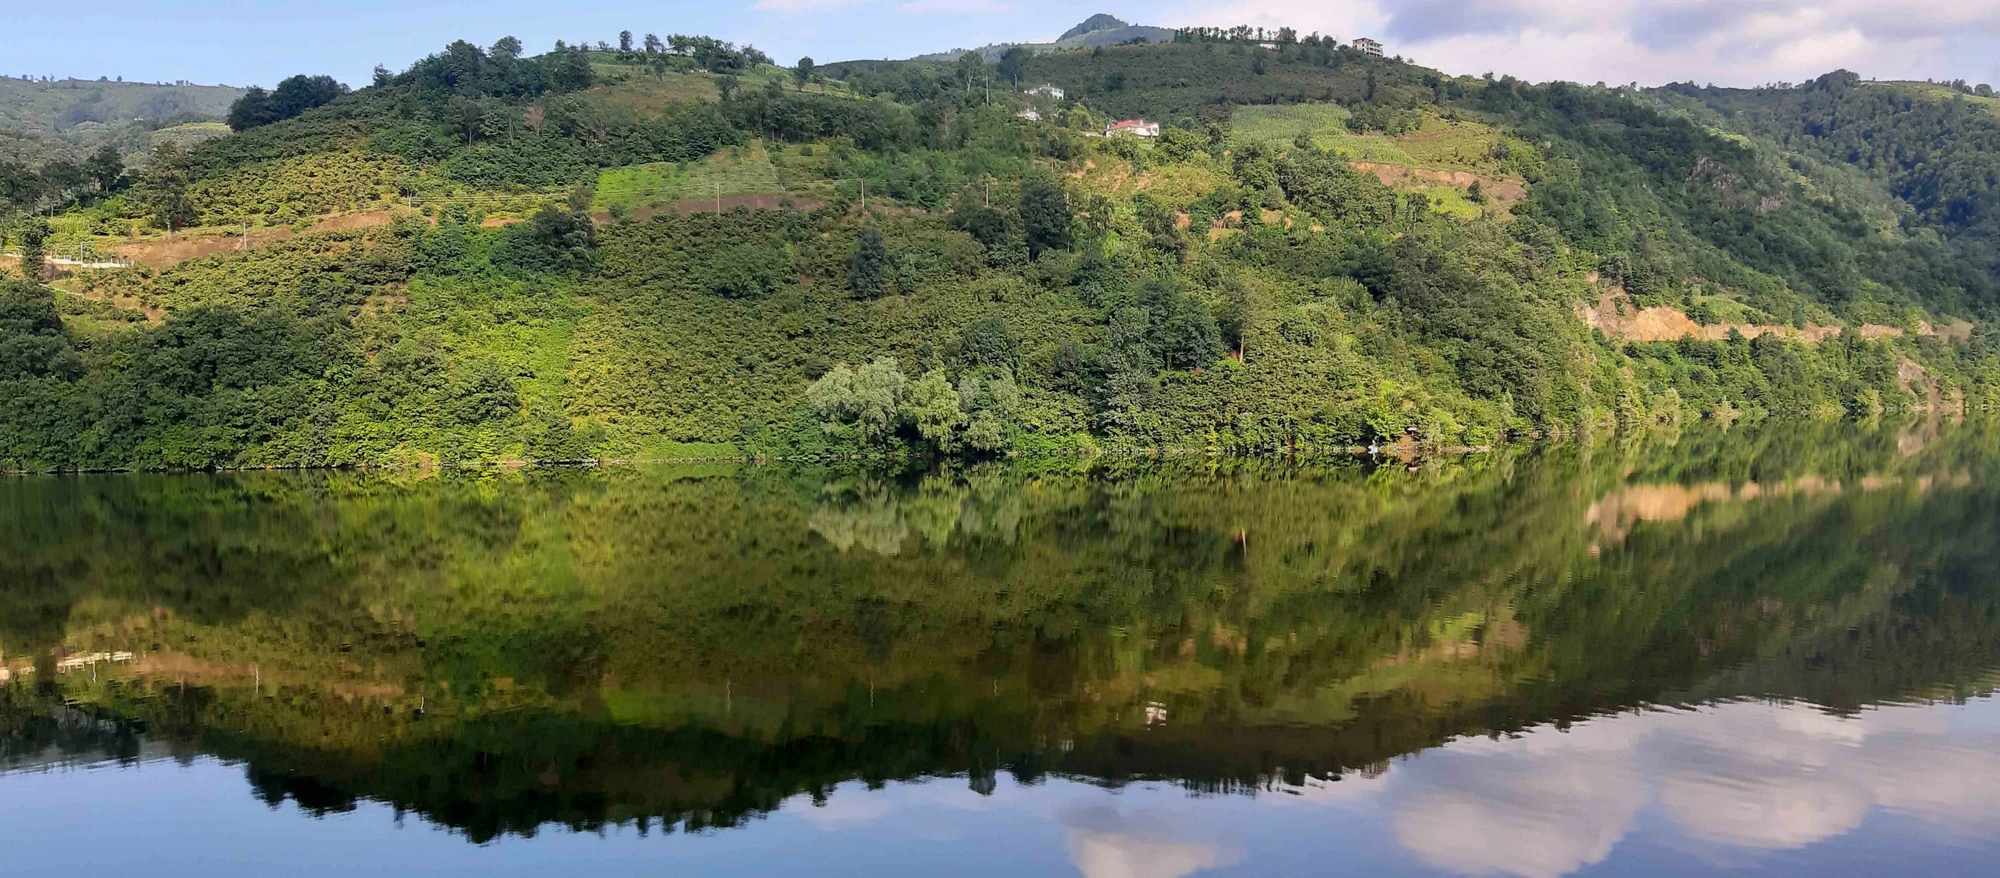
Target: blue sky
{"points": [[1736, 42]]}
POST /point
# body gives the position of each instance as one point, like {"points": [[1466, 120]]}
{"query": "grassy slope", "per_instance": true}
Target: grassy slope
{"points": [[737, 171], [1448, 146], [1940, 92]]}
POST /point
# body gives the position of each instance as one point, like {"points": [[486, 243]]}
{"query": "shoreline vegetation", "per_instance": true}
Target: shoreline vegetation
{"points": [[677, 248], [1403, 452], [1399, 453]]}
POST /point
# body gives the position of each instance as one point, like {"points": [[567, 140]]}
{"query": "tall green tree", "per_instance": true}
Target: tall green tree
{"points": [[1012, 62], [803, 72], [1045, 215], [33, 343], [106, 168], [867, 268], [294, 95], [34, 232], [164, 190]]}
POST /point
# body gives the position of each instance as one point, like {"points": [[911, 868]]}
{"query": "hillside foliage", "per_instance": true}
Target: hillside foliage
{"points": [[1939, 155], [903, 266]]}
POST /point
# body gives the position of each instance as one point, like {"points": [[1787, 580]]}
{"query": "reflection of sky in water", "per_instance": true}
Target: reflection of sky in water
{"points": [[1782, 789]]}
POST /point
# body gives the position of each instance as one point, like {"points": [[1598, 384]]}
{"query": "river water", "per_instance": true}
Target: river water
{"points": [[1767, 650]]}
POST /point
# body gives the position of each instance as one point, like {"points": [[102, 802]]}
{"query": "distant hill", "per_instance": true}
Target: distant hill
{"points": [[69, 118], [1098, 30], [1099, 22], [1935, 147]]}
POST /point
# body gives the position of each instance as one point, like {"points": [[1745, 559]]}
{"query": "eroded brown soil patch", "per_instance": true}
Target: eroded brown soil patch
{"points": [[1503, 192]]}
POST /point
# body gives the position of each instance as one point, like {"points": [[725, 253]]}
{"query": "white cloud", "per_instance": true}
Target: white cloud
{"points": [[1105, 842], [1536, 815], [1745, 777], [1735, 42], [802, 5], [1728, 783], [956, 7]]}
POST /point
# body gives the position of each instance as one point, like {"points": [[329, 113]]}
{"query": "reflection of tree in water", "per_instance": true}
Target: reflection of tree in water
{"points": [[868, 517], [878, 517], [593, 648]]}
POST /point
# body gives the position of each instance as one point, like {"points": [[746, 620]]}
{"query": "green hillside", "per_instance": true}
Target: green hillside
{"points": [[70, 118], [1935, 148], [677, 248]]}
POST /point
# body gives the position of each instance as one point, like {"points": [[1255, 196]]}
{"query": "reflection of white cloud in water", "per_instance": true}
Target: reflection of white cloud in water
{"points": [[1737, 781], [1760, 776], [1752, 776], [1107, 843], [1522, 810]]}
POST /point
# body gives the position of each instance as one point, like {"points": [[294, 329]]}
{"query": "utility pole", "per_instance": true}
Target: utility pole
{"points": [[864, 194], [718, 196]]}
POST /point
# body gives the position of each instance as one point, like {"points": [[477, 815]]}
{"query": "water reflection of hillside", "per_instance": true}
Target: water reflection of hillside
{"points": [[692, 648]]}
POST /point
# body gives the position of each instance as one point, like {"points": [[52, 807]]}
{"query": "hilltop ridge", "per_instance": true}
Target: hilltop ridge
{"points": [[1098, 22], [1101, 29]]}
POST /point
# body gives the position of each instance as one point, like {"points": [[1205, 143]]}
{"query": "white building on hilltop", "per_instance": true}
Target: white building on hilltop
{"points": [[1047, 90], [1370, 46]]}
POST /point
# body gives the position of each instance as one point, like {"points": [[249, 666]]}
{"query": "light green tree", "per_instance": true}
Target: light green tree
{"points": [[864, 402], [931, 406]]}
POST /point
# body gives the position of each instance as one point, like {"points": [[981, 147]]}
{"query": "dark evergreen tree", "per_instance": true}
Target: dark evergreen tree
{"points": [[1045, 215], [1011, 63], [294, 95], [868, 268], [164, 188], [33, 232], [106, 168], [989, 344]]}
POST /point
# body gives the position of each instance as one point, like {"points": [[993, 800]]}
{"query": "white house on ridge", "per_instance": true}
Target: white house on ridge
{"points": [[1134, 127]]}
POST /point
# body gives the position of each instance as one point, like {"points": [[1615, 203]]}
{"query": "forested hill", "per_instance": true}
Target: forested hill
{"points": [[676, 247], [1933, 146], [42, 120]]}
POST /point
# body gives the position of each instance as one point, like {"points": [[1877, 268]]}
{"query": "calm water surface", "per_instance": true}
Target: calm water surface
{"points": [[1766, 650]]}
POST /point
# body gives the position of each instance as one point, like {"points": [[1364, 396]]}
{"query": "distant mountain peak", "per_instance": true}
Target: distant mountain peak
{"points": [[1098, 30], [1093, 24]]}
